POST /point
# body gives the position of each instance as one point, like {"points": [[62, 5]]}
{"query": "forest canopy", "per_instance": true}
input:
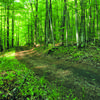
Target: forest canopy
{"points": [[31, 22]]}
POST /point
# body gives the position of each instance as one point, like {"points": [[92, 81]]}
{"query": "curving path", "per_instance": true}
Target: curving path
{"points": [[73, 75]]}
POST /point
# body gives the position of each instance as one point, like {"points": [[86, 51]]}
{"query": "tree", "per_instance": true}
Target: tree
{"points": [[66, 24], [4, 27], [83, 37], [1, 44], [36, 17], [32, 16], [13, 25], [63, 22], [50, 20], [97, 14], [18, 30], [50, 11], [28, 30], [90, 16], [46, 24], [8, 25], [77, 36]]}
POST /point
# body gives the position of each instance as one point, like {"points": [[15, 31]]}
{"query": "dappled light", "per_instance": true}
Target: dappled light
{"points": [[63, 73], [49, 50], [61, 69], [8, 54], [57, 69], [40, 67]]}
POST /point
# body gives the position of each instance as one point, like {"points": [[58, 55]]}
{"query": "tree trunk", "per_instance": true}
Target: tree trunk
{"points": [[50, 11], [1, 44], [8, 26], [13, 26], [76, 24], [50, 19], [97, 14], [90, 31], [33, 40], [18, 32], [36, 31], [83, 37], [66, 25], [5, 29], [47, 23], [63, 22]]}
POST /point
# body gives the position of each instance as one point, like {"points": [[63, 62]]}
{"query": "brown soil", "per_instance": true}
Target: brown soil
{"points": [[76, 76]]}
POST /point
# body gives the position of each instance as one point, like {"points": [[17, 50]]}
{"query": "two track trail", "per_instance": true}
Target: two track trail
{"points": [[74, 76]]}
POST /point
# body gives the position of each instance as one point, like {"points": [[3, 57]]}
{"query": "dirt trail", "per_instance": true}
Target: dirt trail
{"points": [[74, 76]]}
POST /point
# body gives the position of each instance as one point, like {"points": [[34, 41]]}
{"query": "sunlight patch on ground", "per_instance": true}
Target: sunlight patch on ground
{"points": [[8, 54], [31, 52], [62, 73], [41, 67], [26, 53]]}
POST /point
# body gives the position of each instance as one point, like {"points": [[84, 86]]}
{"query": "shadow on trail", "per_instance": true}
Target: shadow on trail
{"points": [[87, 75], [82, 73]]}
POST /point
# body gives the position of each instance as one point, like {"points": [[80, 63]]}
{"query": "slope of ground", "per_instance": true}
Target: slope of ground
{"points": [[17, 82]]}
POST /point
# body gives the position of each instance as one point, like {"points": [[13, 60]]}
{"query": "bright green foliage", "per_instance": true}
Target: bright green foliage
{"points": [[27, 22], [19, 82]]}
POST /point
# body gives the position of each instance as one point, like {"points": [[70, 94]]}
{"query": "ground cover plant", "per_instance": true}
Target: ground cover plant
{"points": [[78, 67], [17, 82], [49, 50]]}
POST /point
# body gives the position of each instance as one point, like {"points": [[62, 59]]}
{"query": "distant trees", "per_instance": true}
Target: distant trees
{"points": [[50, 21]]}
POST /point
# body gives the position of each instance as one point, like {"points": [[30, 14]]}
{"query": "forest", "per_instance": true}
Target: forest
{"points": [[49, 49]]}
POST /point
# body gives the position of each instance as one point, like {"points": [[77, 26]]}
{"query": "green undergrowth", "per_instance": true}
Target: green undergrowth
{"points": [[74, 54], [88, 55], [17, 82]]}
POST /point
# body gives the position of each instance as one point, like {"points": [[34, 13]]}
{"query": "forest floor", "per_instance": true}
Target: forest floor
{"points": [[76, 70]]}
